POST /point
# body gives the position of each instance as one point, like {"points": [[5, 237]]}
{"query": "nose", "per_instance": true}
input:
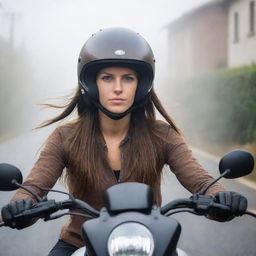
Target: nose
{"points": [[118, 87]]}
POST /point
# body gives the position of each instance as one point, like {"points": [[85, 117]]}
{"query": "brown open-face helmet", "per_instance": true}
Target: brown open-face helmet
{"points": [[119, 47]]}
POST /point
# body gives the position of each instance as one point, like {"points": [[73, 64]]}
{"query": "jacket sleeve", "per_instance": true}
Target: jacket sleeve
{"points": [[186, 168], [47, 169]]}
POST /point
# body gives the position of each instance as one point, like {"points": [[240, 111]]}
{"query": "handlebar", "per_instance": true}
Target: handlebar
{"points": [[201, 204], [179, 203], [46, 208], [197, 204]]}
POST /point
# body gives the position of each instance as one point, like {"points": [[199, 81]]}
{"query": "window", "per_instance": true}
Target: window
{"points": [[252, 17], [236, 27]]}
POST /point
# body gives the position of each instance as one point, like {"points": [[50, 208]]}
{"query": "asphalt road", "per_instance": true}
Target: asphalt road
{"points": [[200, 236]]}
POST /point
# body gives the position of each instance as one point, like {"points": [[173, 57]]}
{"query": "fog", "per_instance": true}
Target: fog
{"points": [[41, 40]]}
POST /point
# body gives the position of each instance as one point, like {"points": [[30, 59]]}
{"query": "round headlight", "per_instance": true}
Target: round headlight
{"points": [[130, 239]]}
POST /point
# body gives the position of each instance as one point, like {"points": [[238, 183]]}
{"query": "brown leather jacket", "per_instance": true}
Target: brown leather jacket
{"points": [[52, 159]]}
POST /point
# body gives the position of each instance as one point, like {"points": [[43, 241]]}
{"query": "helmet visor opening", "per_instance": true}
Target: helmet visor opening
{"points": [[143, 70]]}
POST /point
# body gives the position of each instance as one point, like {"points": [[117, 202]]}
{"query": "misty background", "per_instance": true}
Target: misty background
{"points": [[205, 77], [40, 42], [197, 53]]}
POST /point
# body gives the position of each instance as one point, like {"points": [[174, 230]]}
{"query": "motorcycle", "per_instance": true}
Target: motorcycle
{"points": [[130, 224]]}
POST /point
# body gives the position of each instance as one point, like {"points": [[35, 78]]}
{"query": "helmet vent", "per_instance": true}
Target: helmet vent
{"points": [[119, 52]]}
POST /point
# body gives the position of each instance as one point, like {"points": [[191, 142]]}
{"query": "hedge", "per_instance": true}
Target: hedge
{"points": [[219, 106]]}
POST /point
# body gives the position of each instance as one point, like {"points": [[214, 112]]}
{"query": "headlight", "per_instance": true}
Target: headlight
{"points": [[130, 239]]}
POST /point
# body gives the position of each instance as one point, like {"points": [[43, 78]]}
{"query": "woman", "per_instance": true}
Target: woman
{"points": [[115, 137]]}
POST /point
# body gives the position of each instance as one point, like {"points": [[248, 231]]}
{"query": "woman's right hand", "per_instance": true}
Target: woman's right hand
{"points": [[12, 209]]}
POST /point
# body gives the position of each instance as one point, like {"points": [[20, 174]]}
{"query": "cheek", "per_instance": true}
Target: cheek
{"points": [[102, 96], [133, 91], [102, 90]]}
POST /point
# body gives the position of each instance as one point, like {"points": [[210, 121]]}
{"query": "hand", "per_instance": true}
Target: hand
{"points": [[12, 209], [236, 202]]}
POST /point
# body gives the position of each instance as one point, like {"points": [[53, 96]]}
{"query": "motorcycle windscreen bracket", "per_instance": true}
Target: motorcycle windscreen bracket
{"points": [[140, 198]]}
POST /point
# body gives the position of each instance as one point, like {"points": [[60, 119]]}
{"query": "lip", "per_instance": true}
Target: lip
{"points": [[117, 100]]}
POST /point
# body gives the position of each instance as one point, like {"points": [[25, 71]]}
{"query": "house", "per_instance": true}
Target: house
{"points": [[197, 41], [217, 34], [241, 33]]}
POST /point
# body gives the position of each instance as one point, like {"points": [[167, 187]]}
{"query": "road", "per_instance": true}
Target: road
{"points": [[200, 236]]}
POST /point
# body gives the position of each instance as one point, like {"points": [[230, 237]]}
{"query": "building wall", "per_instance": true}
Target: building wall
{"points": [[198, 43], [243, 51]]}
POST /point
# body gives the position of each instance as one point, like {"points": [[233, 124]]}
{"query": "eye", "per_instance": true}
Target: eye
{"points": [[106, 78], [129, 78]]}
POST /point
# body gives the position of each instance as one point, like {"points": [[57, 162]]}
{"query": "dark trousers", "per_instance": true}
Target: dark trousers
{"points": [[62, 248]]}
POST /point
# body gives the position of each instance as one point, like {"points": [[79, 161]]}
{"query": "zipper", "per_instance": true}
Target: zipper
{"points": [[105, 148], [110, 169], [122, 158], [118, 180], [121, 153]]}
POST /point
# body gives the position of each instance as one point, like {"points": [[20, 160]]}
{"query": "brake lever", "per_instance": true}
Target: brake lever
{"points": [[204, 203]]}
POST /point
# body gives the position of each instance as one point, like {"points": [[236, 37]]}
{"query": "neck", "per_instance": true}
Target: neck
{"points": [[114, 128]]}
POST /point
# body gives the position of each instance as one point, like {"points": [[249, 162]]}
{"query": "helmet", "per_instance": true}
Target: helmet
{"points": [[116, 47]]}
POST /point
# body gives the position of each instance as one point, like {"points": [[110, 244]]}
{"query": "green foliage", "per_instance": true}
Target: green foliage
{"points": [[239, 88], [221, 104]]}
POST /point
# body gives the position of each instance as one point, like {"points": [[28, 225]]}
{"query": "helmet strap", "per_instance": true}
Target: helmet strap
{"points": [[114, 116]]}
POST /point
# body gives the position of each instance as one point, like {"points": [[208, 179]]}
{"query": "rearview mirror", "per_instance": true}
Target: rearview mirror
{"points": [[9, 173], [239, 162]]}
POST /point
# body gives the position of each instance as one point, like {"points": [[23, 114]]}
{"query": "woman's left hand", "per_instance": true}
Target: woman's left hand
{"points": [[236, 202]]}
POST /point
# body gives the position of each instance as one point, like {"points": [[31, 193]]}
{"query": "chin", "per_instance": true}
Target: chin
{"points": [[117, 109]]}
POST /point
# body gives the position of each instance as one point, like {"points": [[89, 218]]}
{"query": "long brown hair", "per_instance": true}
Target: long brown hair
{"points": [[143, 147]]}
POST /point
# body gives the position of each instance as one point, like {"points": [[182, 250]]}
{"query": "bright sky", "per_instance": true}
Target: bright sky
{"points": [[71, 22]]}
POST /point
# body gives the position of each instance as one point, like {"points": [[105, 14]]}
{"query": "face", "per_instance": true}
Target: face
{"points": [[117, 87]]}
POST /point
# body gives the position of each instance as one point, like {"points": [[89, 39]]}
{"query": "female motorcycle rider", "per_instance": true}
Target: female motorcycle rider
{"points": [[115, 136]]}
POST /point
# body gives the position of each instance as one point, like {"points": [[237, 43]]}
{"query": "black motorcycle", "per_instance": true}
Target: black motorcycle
{"points": [[130, 224]]}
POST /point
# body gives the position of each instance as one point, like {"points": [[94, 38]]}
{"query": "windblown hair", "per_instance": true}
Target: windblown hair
{"points": [[143, 146]]}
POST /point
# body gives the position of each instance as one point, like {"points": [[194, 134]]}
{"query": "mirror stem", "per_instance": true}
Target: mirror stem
{"points": [[213, 182], [38, 198]]}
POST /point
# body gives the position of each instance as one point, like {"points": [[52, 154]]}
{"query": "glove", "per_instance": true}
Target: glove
{"points": [[12, 209], [236, 202]]}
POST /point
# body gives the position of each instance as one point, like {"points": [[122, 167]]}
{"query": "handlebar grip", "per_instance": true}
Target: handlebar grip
{"points": [[221, 206], [35, 212], [41, 209], [44, 209]]}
